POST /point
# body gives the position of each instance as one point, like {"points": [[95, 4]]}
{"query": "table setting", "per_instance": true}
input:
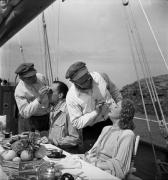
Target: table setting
{"points": [[28, 156]]}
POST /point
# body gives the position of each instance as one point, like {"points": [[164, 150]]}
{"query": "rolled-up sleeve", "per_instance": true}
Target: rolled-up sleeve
{"points": [[112, 88], [78, 119], [26, 98], [26, 109]]}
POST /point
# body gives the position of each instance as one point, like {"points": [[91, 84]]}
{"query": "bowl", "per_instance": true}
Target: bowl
{"points": [[55, 153]]}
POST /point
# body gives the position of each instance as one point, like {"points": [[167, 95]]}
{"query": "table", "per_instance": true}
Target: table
{"points": [[3, 176], [86, 170], [81, 169]]}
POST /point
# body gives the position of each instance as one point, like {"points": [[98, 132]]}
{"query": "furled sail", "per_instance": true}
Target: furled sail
{"points": [[15, 14]]}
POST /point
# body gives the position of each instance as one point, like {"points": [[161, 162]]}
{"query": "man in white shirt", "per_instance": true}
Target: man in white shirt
{"points": [[90, 96], [31, 95]]}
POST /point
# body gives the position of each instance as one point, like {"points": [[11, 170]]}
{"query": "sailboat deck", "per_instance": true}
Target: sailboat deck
{"points": [[142, 129]]}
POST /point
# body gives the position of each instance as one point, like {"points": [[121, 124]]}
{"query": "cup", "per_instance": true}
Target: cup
{"points": [[7, 134], [3, 121]]}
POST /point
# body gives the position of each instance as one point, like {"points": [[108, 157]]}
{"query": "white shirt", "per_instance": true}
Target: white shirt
{"points": [[26, 98], [81, 106]]}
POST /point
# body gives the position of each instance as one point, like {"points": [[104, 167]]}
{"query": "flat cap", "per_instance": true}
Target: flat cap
{"points": [[74, 69], [26, 70]]}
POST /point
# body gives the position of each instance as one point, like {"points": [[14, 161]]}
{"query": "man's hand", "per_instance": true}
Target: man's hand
{"points": [[42, 92], [102, 165], [102, 108], [105, 109], [119, 103], [89, 157], [99, 106]]}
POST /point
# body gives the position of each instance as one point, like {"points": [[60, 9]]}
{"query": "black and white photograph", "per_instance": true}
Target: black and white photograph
{"points": [[83, 89]]}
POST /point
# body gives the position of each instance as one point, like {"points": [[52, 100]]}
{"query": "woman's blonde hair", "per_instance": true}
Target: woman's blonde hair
{"points": [[127, 114]]}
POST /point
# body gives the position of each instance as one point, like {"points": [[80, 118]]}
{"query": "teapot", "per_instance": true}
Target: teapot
{"points": [[67, 176], [49, 172]]}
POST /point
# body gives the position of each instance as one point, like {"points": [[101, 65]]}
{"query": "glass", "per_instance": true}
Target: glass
{"points": [[49, 172], [7, 134], [2, 136]]}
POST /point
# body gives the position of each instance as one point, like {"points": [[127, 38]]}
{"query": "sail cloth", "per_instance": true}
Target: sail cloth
{"points": [[15, 14]]}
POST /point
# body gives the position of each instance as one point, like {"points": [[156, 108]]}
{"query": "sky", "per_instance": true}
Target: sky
{"points": [[96, 32]]}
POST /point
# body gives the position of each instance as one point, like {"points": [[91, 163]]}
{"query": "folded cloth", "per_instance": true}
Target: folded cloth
{"points": [[70, 163], [66, 163], [2, 174]]}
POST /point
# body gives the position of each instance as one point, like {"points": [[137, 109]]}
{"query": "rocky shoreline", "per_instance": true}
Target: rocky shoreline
{"points": [[132, 91]]}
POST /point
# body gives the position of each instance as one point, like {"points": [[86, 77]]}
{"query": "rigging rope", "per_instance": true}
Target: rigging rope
{"points": [[58, 37], [150, 120], [47, 52], [144, 59], [54, 39], [156, 101], [9, 58], [152, 31], [40, 42], [133, 41], [162, 122], [44, 38], [145, 67], [133, 35], [161, 167]]}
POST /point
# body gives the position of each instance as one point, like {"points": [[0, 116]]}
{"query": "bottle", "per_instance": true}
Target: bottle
{"points": [[49, 172], [2, 136]]}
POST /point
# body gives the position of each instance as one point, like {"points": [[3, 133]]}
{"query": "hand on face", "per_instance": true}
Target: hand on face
{"points": [[114, 112], [42, 92], [105, 110], [102, 108], [99, 106]]}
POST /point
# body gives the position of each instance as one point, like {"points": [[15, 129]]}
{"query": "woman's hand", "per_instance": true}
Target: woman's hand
{"points": [[90, 157], [102, 165]]}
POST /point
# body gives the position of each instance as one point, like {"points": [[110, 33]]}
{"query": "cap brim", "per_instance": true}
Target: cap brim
{"points": [[29, 74], [81, 73]]}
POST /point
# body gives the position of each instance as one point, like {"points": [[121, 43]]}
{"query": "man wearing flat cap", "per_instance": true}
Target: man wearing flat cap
{"points": [[91, 96], [32, 99]]}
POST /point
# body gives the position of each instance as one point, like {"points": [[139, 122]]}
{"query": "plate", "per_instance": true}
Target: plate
{"points": [[54, 153]]}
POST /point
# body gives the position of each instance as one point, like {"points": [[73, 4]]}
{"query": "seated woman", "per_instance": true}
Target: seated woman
{"points": [[112, 151]]}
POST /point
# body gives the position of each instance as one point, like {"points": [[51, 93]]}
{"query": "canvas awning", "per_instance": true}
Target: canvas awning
{"points": [[15, 14]]}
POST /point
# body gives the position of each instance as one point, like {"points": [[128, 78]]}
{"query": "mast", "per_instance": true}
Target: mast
{"points": [[48, 68]]}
